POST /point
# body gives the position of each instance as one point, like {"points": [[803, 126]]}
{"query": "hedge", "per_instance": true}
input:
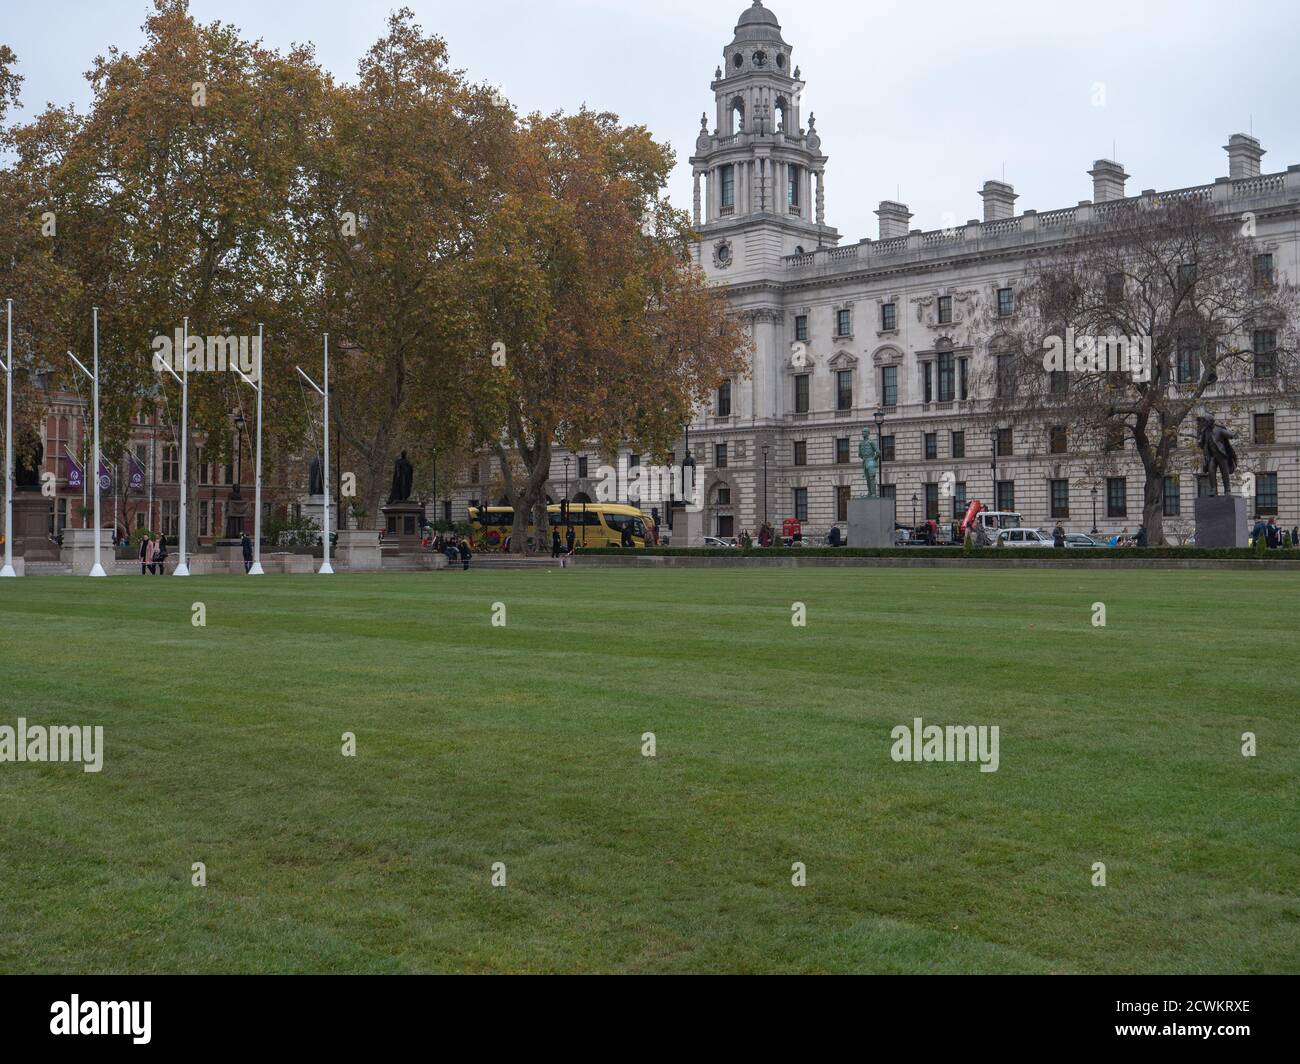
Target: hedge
{"points": [[977, 553]]}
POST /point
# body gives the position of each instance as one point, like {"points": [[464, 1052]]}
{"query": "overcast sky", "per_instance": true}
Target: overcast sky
{"points": [[923, 100]]}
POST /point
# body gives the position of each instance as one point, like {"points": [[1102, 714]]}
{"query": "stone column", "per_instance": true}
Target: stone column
{"points": [[697, 199], [821, 197]]}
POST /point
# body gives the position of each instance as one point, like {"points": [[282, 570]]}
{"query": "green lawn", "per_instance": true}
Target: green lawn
{"points": [[522, 744]]}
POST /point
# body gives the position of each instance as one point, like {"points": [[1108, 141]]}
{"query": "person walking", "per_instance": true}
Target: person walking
{"points": [[146, 555], [1058, 536], [247, 545], [556, 545], [626, 540], [1142, 536], [1295, 536], [160, 554], [465, 555], [1272, 534], [569, 537]]}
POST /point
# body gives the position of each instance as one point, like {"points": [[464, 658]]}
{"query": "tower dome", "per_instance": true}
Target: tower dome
{"points": [[758, 24]]}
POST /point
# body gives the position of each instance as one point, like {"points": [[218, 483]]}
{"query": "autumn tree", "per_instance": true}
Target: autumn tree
{"points": [[1127, 333], [607, 333]]}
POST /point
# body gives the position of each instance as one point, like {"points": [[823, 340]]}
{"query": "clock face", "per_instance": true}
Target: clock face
{"points": [[760, 59]]}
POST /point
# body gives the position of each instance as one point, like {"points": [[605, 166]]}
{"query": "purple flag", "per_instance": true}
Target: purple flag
{"points": [[105, 477], [74, 470], [136, 479]]}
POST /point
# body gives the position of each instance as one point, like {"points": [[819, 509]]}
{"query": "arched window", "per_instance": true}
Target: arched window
{"points": [[782, 110], [738, 115]]}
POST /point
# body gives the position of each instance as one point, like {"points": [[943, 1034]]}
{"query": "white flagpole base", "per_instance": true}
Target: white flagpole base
{"points": [[325, 570], [182, 570], [8, 570], [97, 570], [256, 570]]}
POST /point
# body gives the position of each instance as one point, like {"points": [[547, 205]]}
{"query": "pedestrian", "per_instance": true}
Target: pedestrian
{"points": [[1058, 535], [569, 537], [833, 539], [1142, 536], [1259, 530], [1295, 536], [1272, 534], [626, 539], [247, 545], [160, 554], [556, 545], [146, 554], [464, 555]]}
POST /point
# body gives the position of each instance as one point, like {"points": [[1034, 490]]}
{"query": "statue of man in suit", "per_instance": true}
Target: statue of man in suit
{"points": [[870, 455], [1216, 446]]}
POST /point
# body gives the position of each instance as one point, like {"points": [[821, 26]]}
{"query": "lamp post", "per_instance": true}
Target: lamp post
{"points": [[993, 439], [8, 569], [326, 569], [1093, 493], [879, 418], [235, 521], [765, 450], [256, 569], [566, 478], [913, 511], [183, 379], [97, 569]]}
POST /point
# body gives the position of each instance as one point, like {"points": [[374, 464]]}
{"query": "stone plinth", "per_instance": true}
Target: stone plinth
{"points": [[32, 527], [402, 521], [79, 549], [1221, 521], [688, 528], [357, 550], [314, 508], [871, 522]]}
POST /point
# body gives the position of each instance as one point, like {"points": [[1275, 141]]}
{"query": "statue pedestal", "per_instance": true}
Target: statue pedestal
{"points": [[871, 522], [32, 526], [79, 549], [401, 526], [1221, 521], [688, 528], [314, 508], [358, 551]]}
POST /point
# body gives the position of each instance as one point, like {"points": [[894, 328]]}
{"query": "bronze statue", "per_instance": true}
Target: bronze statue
{"points": [[870, 455], [403, 478], [28, 455], [1216, 446], [316, 485]]}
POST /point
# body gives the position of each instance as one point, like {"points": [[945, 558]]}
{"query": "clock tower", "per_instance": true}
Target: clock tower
{"points": [[759, 192]]}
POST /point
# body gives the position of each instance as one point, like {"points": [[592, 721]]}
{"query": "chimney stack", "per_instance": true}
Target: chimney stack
{"points": [[894, 219], [1244, 155], [999, 201], [1108, 179]]}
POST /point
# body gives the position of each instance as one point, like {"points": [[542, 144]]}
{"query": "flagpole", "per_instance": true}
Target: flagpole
{"points": [[8, 569], [183, 568], [97, 569]]}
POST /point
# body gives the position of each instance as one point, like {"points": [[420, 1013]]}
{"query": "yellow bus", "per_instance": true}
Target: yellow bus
{"points": [[595, 524]]}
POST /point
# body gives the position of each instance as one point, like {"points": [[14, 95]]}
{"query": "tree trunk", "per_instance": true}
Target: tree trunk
{"points": [[1153, 508]]}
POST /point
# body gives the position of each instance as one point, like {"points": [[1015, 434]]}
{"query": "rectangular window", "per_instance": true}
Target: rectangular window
{"points": [[945, 310], [1265, 352], [888, 491], [844, 390], [1006, 443], [728, 187], [720, 456], [1058, 382], [963, 376], [888, 317], [843, 323], [170, 517], [1006, 382], [932, 502], [582, 468], [724, 399], [887, 448], [1266, 494], [959, 444], [842, 455], [1186, 274], [1060, 498], [1006, 495], [1187, 369], [792, 186], [959, 502], [801, 327], [889, 386], [801, 503], [842, 495], [1114, 287], [1264, 432], [1057, 440], [947, 376], [1173, 504], [931, 445], [927, 381], [800, 452], [1264, 270], [205, 518], [726, 526], [1006, 303], [1116, 497], [801, 394], [171, 464], [202, 463]]}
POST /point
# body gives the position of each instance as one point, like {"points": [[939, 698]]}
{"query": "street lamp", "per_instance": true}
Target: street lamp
{"points": [[566, 478], [913, 510], [235, 520], [993, 439], [879, 417], [256, 568], [1093, 493], [765, 450]]}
